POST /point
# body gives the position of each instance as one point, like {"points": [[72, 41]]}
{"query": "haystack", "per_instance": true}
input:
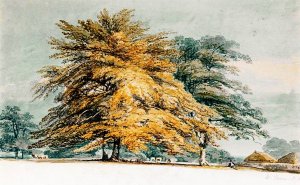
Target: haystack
{"points": [[290, 158], [259, 157]]}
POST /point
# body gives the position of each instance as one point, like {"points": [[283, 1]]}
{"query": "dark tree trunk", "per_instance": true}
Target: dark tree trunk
{"points": [[16, 153], [104, 154], [22, 154], [116, 150], [113, 150]]}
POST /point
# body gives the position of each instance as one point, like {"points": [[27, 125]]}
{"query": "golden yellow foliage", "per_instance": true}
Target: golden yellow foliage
{"points": [[116, 82]]}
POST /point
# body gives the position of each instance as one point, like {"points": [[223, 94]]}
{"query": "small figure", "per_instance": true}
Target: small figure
{"points": [[40, 156], [231, 164]]}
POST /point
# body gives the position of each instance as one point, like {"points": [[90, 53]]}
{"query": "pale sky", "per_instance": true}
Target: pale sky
{"points": [[267, 30]]}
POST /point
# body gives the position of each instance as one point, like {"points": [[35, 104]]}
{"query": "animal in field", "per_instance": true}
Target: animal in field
{"points": [[39, 156]]}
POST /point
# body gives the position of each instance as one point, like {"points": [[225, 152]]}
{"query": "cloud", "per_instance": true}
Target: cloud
{"points": [[17, 91], [272, 75]]}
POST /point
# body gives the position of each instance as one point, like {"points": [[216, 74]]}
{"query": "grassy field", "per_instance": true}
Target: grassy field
{"points": [[184, 165], [65, 172]]}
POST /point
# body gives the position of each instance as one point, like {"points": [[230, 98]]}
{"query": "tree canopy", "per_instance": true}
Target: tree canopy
{"points": [[279, 147], [115, 84], [205, 67], [15, 129]]}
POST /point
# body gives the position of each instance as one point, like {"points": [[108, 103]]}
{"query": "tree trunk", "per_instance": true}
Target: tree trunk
{"points": [[104, 154], [202, 159], [204, 139], [113, 151], [22, 154], [116, 150], [16, 153]]}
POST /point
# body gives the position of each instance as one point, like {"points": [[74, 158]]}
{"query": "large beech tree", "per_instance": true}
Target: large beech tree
{"points": [[205, 67], [115, 85]]}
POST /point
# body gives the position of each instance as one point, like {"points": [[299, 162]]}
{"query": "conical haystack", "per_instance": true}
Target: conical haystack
{"points": [[290, 158], [260, 157]]}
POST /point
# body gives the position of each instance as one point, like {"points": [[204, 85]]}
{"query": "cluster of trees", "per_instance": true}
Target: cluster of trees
{"points": [[15, 128], [116, 87], [216, 155], [279, 147], [120, 86], [205, 67]]}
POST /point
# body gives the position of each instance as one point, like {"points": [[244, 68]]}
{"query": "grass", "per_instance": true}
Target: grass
{"points": [[214, 167]]}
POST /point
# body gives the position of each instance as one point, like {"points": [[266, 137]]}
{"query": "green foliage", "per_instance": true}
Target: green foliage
{"points": [[154, 151], [60, 153], [279, 147], [204, 67], [67, 152], [15, 129], [215, 155]]}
